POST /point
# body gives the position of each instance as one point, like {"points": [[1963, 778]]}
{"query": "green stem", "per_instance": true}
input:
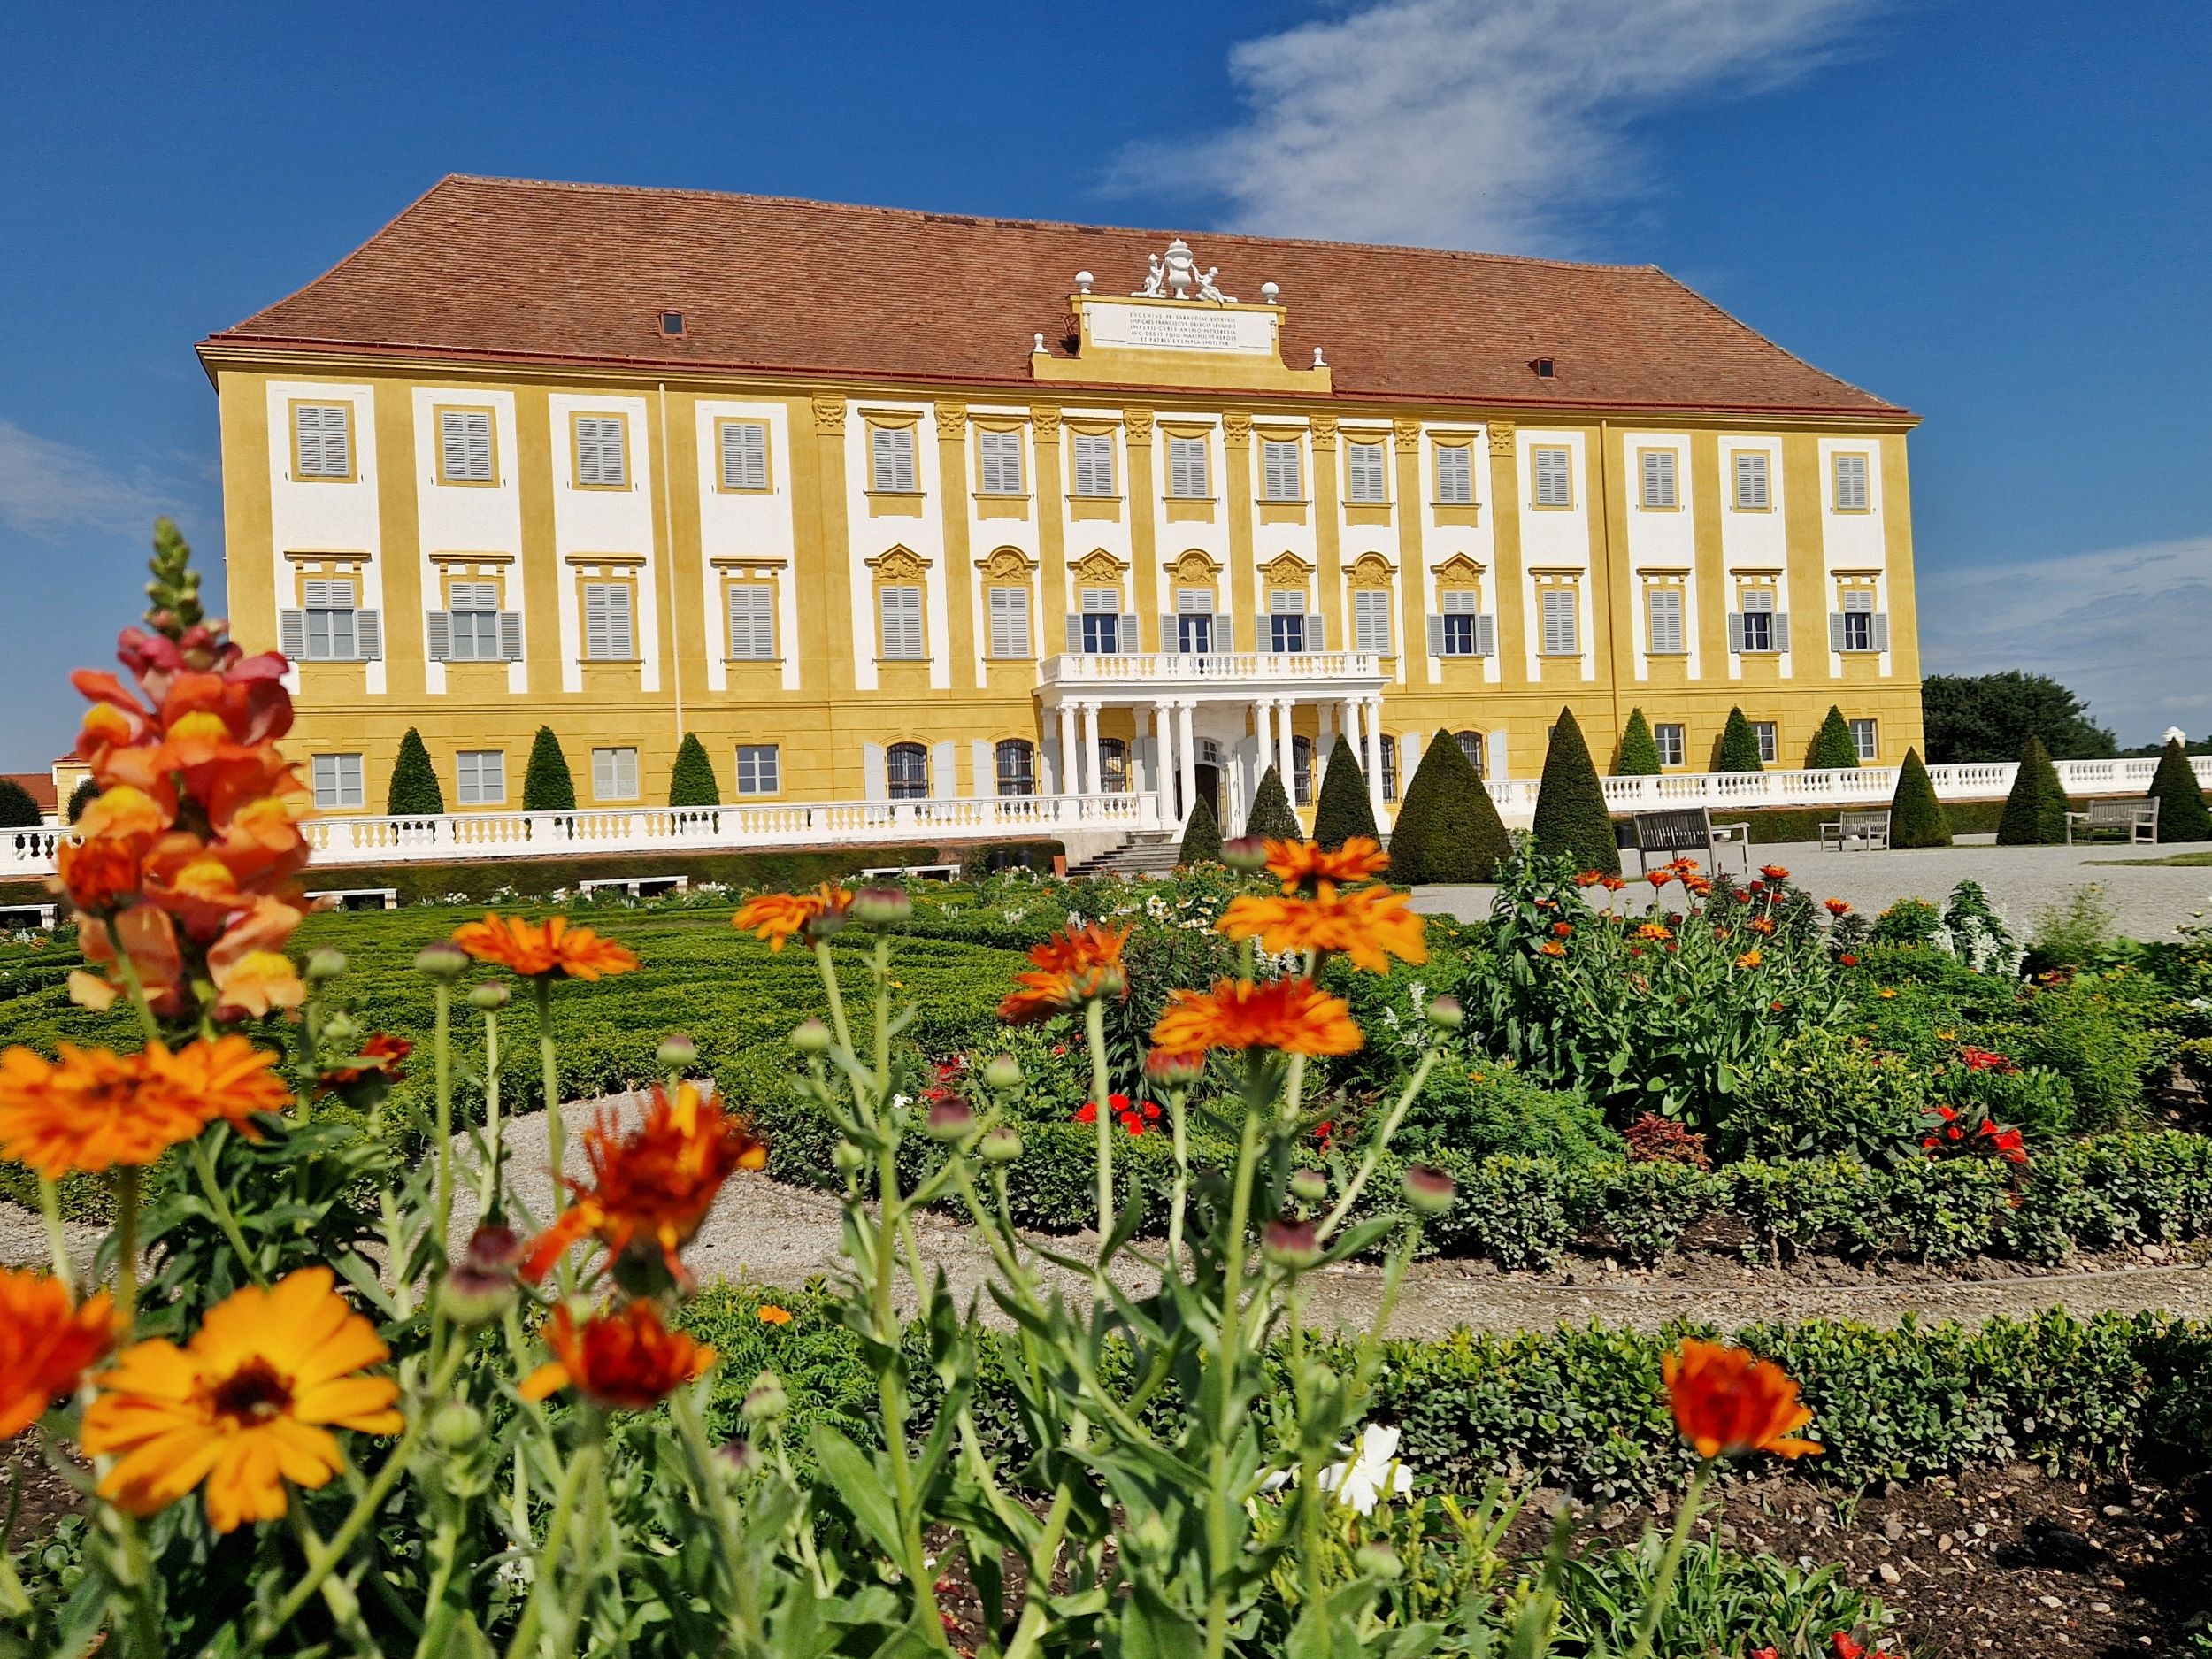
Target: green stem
{"points": [[443, 1049], [126, 1245], [1226, 1364], [827, 964], [1377, 1147], [56, 1241], [550, 1071], [491, 1203], [1094, 1033], [225, 1218], [1662, 1585], [744, 1594], [147, 1024], [526, 1641], [1179, 1195]]}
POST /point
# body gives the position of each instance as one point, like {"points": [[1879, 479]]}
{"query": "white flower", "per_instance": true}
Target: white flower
{"points": [[1372, 1473]]}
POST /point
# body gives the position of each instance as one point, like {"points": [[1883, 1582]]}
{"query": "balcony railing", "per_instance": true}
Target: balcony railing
{"points": [[1174, 668]]}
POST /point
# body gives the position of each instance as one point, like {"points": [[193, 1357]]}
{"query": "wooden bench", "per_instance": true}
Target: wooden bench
{"points": [[358, 898], [1688, 829], [920, 872], [2135, 817], [1870, 826], [638, 886]]}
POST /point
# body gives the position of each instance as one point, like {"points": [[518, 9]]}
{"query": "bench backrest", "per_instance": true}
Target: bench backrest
{"points": [[1682, 830], [1853, 823], [2122, 811]]}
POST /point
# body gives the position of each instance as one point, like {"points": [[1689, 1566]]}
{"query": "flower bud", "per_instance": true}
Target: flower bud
{"points": [[1290, 1244], [848, 1157], [951, 1118], [677, 1051], [1247, 853], [325, 964], [1000, 1146], [765, 1400], [882, 907], [455, 1426], [737, 1457], [1310, 1184], [1428, 1190], [1003, 1072], [1173, 1071], [489, 997], [342, 1033], [811, 1037], [442, 960], [1446, 1014], [470, 1295], [1378, 1560]]}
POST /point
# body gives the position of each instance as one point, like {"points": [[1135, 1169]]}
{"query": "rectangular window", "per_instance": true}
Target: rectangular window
{"points": [[1852, 493], [602, 459], [1461, 623], [338, 782], [1009, 622], [1560, 630], [333, 634], [752, 621], [1668, 637], [744, 455], [473, 623], [1195, 621], [891, 460], [900, 610], [1770, 741], [1388, 747], [1094, 463], [1672, 744], [1286, 621], [1865, 740], [322, 441], [1554, 485], [757, 769], [614, 774], [1371, 620], [1001, 458], [1187, 477], [1281, 475], [608, 637], [1364, 477], [1456, 475], [1757, 621], [1102, 621], [1659, 478], [481, 775], [1856, 628], [1752, 495], [906, 769], [465, 446]]}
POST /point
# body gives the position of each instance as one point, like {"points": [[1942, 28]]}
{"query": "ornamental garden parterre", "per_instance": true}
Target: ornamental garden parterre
{"points": [[331, 1384]]}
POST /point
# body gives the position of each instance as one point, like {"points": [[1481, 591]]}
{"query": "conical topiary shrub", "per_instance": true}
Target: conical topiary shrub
{"points": [[1447, 827], [1343, 810], [415, 791], [81, 797], [1915, 817], [2035, 811], [691, 780], [1201, 837], [1272, 815], [1572, 816], [1639, 755], [546, 786], [1740, 746], [1833, 749], [18, 811], [2182, 814]]}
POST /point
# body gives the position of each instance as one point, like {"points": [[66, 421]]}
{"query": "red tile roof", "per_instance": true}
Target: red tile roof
{"points": [[38, 785], [510, 270]]}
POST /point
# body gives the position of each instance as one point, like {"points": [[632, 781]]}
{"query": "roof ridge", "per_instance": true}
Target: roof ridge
{"points": [[1005, 221]]}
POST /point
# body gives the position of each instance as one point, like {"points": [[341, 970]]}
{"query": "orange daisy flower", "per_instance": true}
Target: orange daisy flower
{"points": [[1553, 947], [1775, 873], [1728, 1402], [1291, 1015], [1075, 966], [771, 1314], [655, 1185], [90, 1111], [1762, 925], [219, 1076], [626, 1358], [1837, 907], [1750, 958], [1653, 931], [1368, 925], [1310, 867], [50, 1343], [246, 1406], [533, 949], [774, 917], [1588, 878]]}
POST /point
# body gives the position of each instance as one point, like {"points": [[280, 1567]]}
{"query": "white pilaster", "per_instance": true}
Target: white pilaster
{"points": [[1282, 748], [1264, 729], [1164, 759], [1093, 779], [1186, 754], [1069, 782]]}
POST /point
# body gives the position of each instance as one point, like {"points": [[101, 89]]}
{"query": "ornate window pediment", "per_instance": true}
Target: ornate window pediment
{"points": [[1458, 570], [1370, 569], [1007, 565], [1098, 565], [1286, 570], [1196, 566], [899, 564]]}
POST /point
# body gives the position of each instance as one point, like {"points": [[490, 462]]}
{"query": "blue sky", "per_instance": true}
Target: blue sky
{"points": [[1999, 214]]}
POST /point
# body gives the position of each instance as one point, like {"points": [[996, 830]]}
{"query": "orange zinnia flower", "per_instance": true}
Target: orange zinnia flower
{"points": [[90, 1111], [247, 1405], [219, 1076], [1553, 947], [1750, 958], [1310, 867], [774, 917], [1761, 925], [1368, 925], [655, 1185], [1837, 907], [1654, 931], [1774, 873], [49, 1344], [1729, 1402], [1291, 1015], [626, 1358], [533, 949], [771, 1314], [1075, 966]]}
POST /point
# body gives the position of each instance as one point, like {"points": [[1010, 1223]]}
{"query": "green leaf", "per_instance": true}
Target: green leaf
{"points": [[859, 1485], [1150, 1629]]}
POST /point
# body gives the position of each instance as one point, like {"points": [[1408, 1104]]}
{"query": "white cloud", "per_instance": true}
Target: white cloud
{"points": [[47, 487], [2124, 627], [1497, 125]]}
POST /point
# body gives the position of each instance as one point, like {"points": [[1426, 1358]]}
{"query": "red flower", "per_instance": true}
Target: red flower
{"points": [[1837, 907], [1562, 929], [1088, 1113], [1848, 960], [1986, 1060], [1151, 1110], [1775, 873]]}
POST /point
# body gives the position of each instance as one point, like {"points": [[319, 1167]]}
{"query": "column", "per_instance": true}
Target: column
{"points": [[1186, 754], [1370, 747], [1264, 729], [1282, 746], [1070, 783], [1093, 780], [1164, 758]]}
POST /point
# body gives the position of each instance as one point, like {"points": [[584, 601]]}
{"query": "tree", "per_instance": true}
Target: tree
{"points": [[1832, 749], [1639, 754], [1201, 837], [546, 786], [1271, 815], [18, 811], [1738, 746], [1447, 827], [1572, 816], [81, 797], [1988, 717], [1343, 810], [2035, 811], [415, 791], [691, 780], [2181, 815], [1915, 817]]}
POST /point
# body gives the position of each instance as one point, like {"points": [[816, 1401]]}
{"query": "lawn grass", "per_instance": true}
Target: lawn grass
{"points": [[2192, 861]]}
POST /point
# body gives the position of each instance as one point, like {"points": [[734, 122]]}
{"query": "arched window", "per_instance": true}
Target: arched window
{"points": [[908, 768], [1301, 770], [1389, 767], [1017, 766], [1113, 765], [1470, 745]]}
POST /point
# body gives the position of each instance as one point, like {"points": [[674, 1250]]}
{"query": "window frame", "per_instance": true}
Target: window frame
{"points": [[1022, 777], [1194, 614], [905, 431], [1100, 612], [1372, 601], [628, 590], [1203, 448], [760, 597], [920, 619], [1866, 739], [440, 413], [1765, 612], [1768, 734], [297, 470], [1672, 739], [1763, 471], [898, 757], [1283, 621], [576, 418], [1114, 772], [1471, 745], [614, 752], [1678, 597], [723, 426], [464, 760], [1671, 472], [456, 588], [751, 753], [1572, 612], [1464, 465], [1078, 442], [1857, 606], [1008, 440], [1302, 769], [1536, 453], [1378, 466], [1028, 642], [1386, 765], [1865, 480], [359, 781], [1297, 463]]}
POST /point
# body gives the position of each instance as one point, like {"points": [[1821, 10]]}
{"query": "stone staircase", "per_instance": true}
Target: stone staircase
{"points": [[1153, 855]]}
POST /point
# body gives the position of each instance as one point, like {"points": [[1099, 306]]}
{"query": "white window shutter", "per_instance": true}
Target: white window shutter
{"points": [[453, 450], [1781, 631], [1073, 636], [1835, 630], [1486, 635], [440, 625], [510, 636], [1130, 643], [369, 634], [1881, 630], [744, 456], [1170, 632], [619, 622], [1454, 474], [292, 633], [1735, 633], [1317, 632], [595, 621], [875, 779], [1436, 636]]}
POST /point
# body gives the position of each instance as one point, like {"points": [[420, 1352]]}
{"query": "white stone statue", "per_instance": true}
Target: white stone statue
{"points": [[1207, 290], [1155, 278], [1182, 268], [1176, 275]]}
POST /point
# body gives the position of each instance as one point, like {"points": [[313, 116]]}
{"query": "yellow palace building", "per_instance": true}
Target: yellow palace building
{"points": [[901, 507]]}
